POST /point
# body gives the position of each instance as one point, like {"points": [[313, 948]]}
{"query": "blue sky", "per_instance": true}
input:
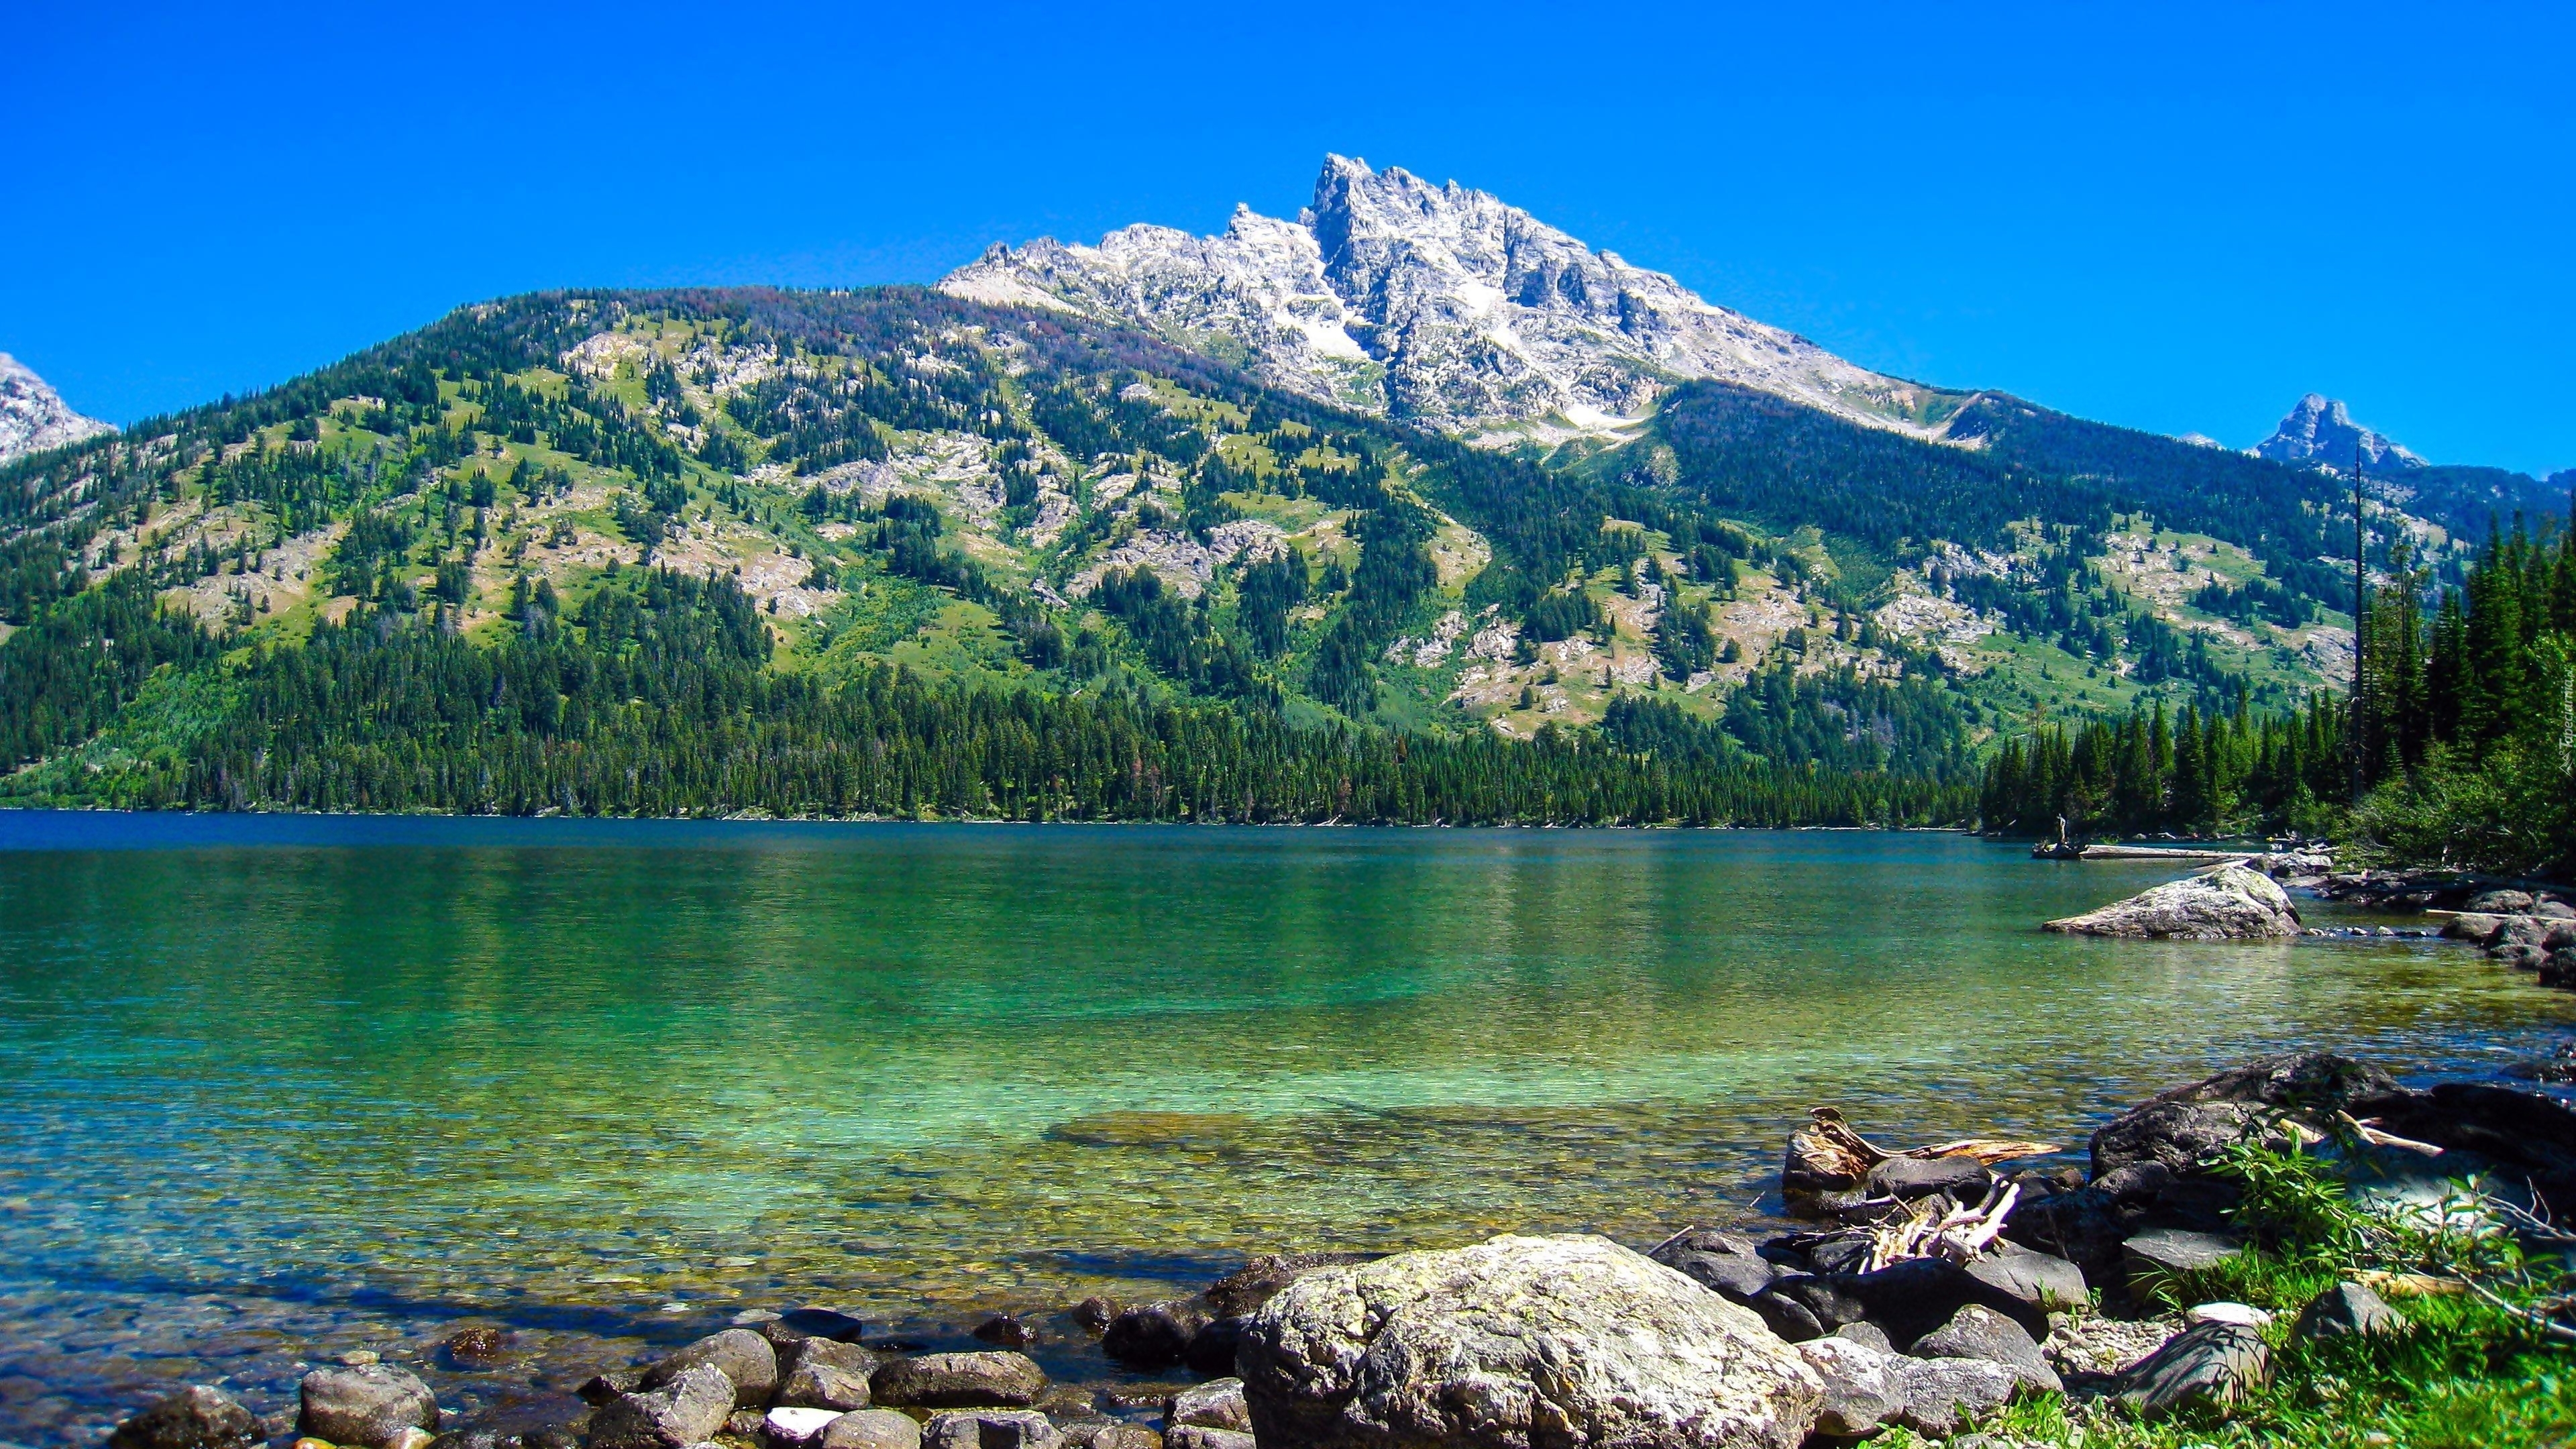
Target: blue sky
{"points": [[2178, 220]]}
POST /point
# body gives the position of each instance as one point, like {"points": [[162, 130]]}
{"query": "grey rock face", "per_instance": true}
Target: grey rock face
{"points": [[33, 417], [196, 1417], [1216, 1404], [1515, 1342], [989, 1429], [1861, 1386], [2209, 1364], [959, 1380], [1981, 1333], [687, 1409], [2347, 1310], [2230, 903], [1720, 1262], [872, 1429], [746, 1359], [2320, 430], [823, 1386], [371, 1404], [826, 1353], [1432, 303], [1944, 1395]]}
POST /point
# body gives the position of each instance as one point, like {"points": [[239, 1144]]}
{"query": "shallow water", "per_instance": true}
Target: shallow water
{"points": [[281, 1087]]}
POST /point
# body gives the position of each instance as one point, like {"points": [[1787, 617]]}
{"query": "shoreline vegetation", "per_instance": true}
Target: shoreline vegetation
{"points": [[2300, 1250]]}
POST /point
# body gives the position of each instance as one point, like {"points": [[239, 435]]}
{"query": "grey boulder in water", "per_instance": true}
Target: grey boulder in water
{"points": [[2230, 903]]}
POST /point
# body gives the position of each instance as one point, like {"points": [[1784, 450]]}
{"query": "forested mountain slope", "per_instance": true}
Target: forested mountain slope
{"points": [[894, 550]]}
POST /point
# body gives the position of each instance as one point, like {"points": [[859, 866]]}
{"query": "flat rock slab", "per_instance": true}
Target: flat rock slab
{"points": [[2230, 903], [2172, 1250], [1520, 1341], [2211, 1365]]}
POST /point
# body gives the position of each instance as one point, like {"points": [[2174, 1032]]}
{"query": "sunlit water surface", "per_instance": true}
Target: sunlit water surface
{"points": [[280, 1088]]}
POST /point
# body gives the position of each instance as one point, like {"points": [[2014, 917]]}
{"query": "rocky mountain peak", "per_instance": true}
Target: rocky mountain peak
{"points": [[33, 417], [2319, 432], [1438, 304]]}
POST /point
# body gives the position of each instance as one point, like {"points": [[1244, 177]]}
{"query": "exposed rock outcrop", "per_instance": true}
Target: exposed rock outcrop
{"points": [[33, 417]]}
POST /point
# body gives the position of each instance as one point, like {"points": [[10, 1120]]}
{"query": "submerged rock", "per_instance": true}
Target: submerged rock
{"points": [[2230, 903], [1155, 1336], [370, 1404], [196, 1417], [1519, 1341]]}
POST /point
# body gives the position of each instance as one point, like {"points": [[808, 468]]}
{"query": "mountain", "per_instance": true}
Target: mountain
{"points": [[2319, 432], [33, 417], [1439, 306]]}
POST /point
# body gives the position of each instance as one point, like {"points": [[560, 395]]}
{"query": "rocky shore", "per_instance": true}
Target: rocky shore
{"points": [[1925, 1289]]}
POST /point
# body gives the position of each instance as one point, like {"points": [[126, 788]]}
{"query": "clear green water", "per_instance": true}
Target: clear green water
{"points": [[278, 1087]]}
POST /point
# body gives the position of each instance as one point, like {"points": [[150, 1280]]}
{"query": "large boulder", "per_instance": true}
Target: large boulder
{"points": [[370, 1404], [193, 1418], [746, 1359], [1862, 1389], [1515, 1343], [2230, 903], [687, 1409], [959, 1381]]}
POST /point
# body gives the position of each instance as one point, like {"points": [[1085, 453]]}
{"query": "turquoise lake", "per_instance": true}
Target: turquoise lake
{"points": [[278, 1088]]}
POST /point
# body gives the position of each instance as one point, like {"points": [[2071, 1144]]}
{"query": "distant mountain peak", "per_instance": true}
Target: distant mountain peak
{"points": [[1437, 304], [2319, 431], [33, 417]]}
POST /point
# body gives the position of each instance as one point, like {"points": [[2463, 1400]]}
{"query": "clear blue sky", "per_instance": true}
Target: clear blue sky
{"points": [[2179, 220]]}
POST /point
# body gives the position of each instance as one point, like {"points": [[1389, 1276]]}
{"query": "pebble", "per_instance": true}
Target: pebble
{"points": [[2243, 1315]]}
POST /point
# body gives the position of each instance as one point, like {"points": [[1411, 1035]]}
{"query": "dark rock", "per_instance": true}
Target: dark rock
{"points": [[600, 1388], [989, 1429], [2557, 1067], [1243, 1291], [1944, 1395], [1963, 1178], [1841, 1253], [2347, 1310], [1786, 1317], [1861, 1386], [2085, 1227], [2185, 1127], [2500, 903], [369, 1404], [1720, 1262], [1211, 1349], [1912, 1298], [2533, 1133], [2041, 1280], [827, 1353], [478, 1346], [1006, 1330], [1155, 1336], [1199, 1436], [1981, 1333], [1094, 1313], [747, 1424], [2211, 1364], [2138, 1182], [1824, 1298], [1112, 1435], [196, 1417], [958, 1380], [1216, 1404], [872, 1429], [687, 1409], [476, 1439], [2554, 910], [798, 1324]]}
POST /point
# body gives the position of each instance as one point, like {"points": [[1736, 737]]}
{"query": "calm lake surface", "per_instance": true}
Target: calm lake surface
{"points": [[275, 1088]]}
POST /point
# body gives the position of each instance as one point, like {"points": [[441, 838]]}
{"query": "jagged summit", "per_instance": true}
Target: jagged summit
{"points": [[33, 417], [1437, 304], [2320, 432]]}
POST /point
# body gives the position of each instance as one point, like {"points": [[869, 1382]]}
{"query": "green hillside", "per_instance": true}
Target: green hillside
{"points": [[728, 550]]}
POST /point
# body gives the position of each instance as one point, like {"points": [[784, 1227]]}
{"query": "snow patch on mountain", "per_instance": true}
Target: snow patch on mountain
{"points": [[1439, 305], [2320, 432], [33, 417]]}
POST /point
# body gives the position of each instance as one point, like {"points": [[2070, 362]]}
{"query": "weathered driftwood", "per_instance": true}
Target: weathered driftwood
{"points": [[1936, 1227]]}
